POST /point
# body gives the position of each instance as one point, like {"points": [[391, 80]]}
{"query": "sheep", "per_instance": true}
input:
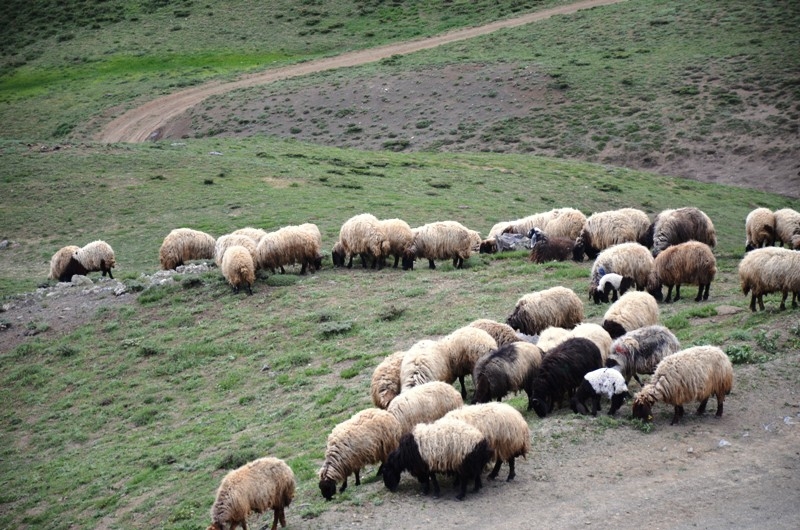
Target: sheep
{"points": [[385, 383], [423, 404], [63, 266], [759, 227], [95, 256], [184, 244], [601, 382], [769, 270], [691, 262], [557, 223], [551, 337], [613, 283], [253, 233], [633, 310], [290, 245], [338, 255], [399, 235], [439, 240], [787, 225], [423, 363], [263, 484], [639, 351], [606, 229], [362, 235], [445, 446], [505, 430], [238, 268], [671, 227], [545, 248], [502, 243], [501, 333], [630, 260], [692, 374], [557, 306], [229, 240], [366, 438], [561, 372], [509, 368]]}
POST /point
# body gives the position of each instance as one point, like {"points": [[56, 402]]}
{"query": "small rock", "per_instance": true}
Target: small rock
{"points": [[725, 310], [215, 153], [690, 450], [724, 443], [4, 244], [81, 280]]}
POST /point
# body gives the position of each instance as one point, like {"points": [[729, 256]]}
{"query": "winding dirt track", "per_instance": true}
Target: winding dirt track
{"points": [[139, 124]]}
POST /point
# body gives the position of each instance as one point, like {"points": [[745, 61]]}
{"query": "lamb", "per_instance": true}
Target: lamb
{"points": [[501, 333], [399, 235], [362, 235], [95, 256], [290, 245], [557, 306], [639, 351], [440, 240], [612, 283], [633, 310], [505, 430], [759, 227], [385, 383], [263, 484], [769, 270], [630, 260], [692, 374], [561, 372], [366, 438], [545, 248], [509, 368], [63, 266], [691, 262], [253, 233], [671, 227], [424, 404], [238, 268], [606, 229], [601, 382], [184, 244], [787, 225], [229, 240], [445, 446]]}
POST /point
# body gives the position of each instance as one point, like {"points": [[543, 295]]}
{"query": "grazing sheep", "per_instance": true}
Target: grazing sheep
{"points": [[688, 375], [606, 229], [423, 404], [639, 351], [238, 268], [95, 256], [505, 429], [63, 266], [630, 260], [263, 484], [561, 372], [672, 227], [440, 240], [253, 233], [228, 240], [633, 310], [445, 446], [557, 223], [601, 382], [338, 255], [423, 363], [545, 248], [509, 368], [184, 244], [362, 235], [787, 225], [612, 283], [769, 270], [759, 227], [288, 246], [551, 337], [501, 333], [385, 384], [691, 262], [399, 235], [557, 306], [366, 438]]}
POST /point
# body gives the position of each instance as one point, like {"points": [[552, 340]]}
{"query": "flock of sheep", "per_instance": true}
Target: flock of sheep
{"points": [[420, 422]]}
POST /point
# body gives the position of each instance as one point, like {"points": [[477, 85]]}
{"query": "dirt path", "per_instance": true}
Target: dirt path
{"points": [[141, 123]]}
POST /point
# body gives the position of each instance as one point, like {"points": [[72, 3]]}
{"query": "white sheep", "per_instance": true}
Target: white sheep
{"points": [[606, 229], [597, 383], [185, 244], [759, 228], [288, 246], [440, 240], [96, 256], [253, 233], [399, 235], [633, 310], [630, 260], [639, 351], [557, 306], [557, 223], [553, 336], [787, 225], [63, 266], [769, 270], [672, 227], [362, 235], [501, 333], [423, 404], [238, 268], [228, 240], [385, 383]]}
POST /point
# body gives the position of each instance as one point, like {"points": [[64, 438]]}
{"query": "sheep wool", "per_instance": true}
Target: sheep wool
{"points": [[787, 225], [606, 229], [693, 374], [96, 256], [185, 244], [423, 404], [362, 235], [288, 246], [672, 227], [462, 348], [552, 337], [238, 268], [557, 306], [437, 241], [691, 263], [60, 267], [639, 351], [399, 235], [385, 383], [557, 223], [424, 363], [601, 382], [505, 430], [759, 227], [228, 240], [770, 270], [509, 368], [253, 233], [595, 333], [633, 310], [263, 484], [501, 333], [630, 260]]}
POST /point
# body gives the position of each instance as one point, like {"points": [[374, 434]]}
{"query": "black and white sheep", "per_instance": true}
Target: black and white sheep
{"points": [[440, 240], [557, 306], [633, 310], [561, 372], [423, 404], [95, 256], [630, 260], [672, 227], [263, 484], [545, 248], [63, 266], [639, 351], [366, 438], [612, 284], [693, 374], [596, 384], [501, 333], [787, 226], [362, 235], [185, 244], [385, 383], [770, 270], [505, 429], [691, 263], [606, 229], [288, 246], [509, 368], [238, 268], [445, 446], [226, 241], [759, 228]]}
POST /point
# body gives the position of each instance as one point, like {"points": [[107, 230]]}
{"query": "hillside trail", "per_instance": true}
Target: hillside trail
{"points": [[145, 122]]}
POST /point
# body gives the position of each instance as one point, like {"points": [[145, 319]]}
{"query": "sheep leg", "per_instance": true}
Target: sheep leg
{"points": [[668, 299], [678, 414], [463, 387], [783, 300], [761, 301], [702, 408], [249, 290], [705, 294], [795, 297], [511, 472], [431, 264], [396, 260], [495, 470], [753, 303], [720, 400], [275, 518], [677, 293], [595, 405], [358, 477], [344, 485], [350, 263], [478, 483], [636, 376], [436, 485]]}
